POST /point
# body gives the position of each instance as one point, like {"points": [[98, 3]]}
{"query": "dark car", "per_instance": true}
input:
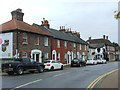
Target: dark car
{"points": [[19, 65], [78, 62], [82, 62]]}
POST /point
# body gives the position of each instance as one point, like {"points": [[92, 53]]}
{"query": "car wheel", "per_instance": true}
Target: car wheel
{"points": [[52, 68], [61, 67], [84, 64], [19, 71], [40, 69], [10, 73]]}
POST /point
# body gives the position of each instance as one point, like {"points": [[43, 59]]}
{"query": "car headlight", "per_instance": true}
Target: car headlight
{"points": [[9, 65]]}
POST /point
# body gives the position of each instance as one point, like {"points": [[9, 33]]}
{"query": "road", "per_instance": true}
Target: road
{"points": [[75, 77]]}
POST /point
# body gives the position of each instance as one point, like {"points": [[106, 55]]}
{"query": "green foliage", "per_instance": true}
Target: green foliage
{"points": [[117, 16], [116, 44]]}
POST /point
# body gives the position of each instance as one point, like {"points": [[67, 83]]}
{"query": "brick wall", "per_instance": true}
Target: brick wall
{"points": [[32, 39]]}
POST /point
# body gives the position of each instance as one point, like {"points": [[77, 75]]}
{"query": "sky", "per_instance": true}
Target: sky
{"points": [[92, 18]]}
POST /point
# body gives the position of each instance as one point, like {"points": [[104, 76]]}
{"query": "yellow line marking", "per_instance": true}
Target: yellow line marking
{"points": [[91, 86]]}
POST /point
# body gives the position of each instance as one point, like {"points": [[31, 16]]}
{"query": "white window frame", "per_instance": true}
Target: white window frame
{"points": [[45, 41], [25, 38], [65, 44], [46, 55], [74, 45], [85, 47], [65, 57], [37, 41], [58, 43], [24, 54], [80, 46], [58, 56]]}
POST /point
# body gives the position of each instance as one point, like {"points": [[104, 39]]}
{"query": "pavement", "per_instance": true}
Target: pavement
{"points": [[110, 81]]}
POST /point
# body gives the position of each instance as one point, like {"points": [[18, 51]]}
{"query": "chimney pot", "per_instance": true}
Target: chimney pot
{"points": [[107, 37], [89, 38], [103, 36], [60, 27]]}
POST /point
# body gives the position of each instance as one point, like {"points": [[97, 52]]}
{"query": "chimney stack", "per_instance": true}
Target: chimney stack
{"points": [[45, 23], [107, 37], [89, 38], [17, 14], [62, 28], [103, 36]]}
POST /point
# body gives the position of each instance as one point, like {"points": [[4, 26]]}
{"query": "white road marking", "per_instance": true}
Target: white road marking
{"points": [[36, 81], [60, 74], [27, 84]]}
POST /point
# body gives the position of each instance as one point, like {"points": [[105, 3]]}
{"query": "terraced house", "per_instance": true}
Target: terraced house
{"points": [[40, 41], [66, 44]]}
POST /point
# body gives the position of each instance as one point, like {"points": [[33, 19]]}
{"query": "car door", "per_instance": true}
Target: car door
{"points": [[53, 64], [28, 64], [58, 65], [33, 64]]}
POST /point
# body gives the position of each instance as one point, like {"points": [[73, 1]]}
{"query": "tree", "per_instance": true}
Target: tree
{"points": [[116, 44], [117, 14]]}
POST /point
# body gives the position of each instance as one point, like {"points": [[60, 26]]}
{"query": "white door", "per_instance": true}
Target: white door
{"points": [[69, 57], [36, 55]]}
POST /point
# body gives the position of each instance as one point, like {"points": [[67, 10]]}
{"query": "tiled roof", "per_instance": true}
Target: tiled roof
{"points": [[62, 35], [96, 45], [99, 42], [14, 25]]}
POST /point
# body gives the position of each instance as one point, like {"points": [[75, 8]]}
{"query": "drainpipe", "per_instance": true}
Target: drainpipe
{"points": [[17, 46], [76, 51]]}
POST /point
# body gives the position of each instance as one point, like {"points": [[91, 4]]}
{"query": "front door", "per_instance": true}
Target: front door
{"points": [[36, 57], [69, 59]]}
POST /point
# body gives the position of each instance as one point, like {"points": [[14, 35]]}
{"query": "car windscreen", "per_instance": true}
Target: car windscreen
{"points": [[17, 59], [46, 61], [89, 59], [75, 60]]}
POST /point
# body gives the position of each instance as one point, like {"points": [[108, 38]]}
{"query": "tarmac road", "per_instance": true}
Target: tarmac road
{"points": [[75, 77]]}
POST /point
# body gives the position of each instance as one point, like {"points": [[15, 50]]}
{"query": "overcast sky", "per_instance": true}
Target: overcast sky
{"points": [[92, 18]]}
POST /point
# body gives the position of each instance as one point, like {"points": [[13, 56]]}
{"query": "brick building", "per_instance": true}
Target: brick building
{"points": [[26, 40], [66, 44], [39, 41]]}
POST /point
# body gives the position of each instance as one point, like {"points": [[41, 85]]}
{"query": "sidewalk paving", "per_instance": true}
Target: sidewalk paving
{"points": [[110, 81]]}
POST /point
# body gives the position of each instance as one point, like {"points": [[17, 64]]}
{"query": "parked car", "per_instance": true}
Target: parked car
{"points": [[78, 62], [82, 62], [91, 61], [53, 64], [19, 65], [101, 61]]}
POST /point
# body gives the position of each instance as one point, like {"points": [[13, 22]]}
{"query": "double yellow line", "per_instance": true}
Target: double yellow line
{"points": [[92, 85]]}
